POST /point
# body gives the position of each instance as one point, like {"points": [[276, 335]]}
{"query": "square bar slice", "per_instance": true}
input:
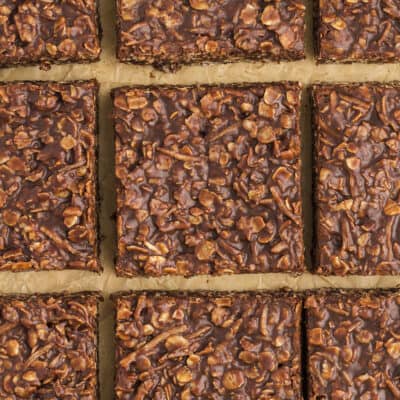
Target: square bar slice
{"points": [[353, 345], [48, 176], [169, 33], [208, 346], [48, 32], [357, 178], [208, 179], [49, 346], [357, 31]]}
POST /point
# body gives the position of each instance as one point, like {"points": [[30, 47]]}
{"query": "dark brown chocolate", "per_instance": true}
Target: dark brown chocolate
{"points": [[48, 347], [168, 33], [208, 180], [48, 176], [353, 345], [46, 32], [208, 345], [357, 178], [357, 30]]}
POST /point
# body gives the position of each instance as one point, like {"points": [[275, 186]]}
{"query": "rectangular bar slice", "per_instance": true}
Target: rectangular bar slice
{"points": [[351, 31], [208, 346], [46, 32], [169, 33], [353, 345], [48, 346], [208, 179], [357, 178], [48, 176]]}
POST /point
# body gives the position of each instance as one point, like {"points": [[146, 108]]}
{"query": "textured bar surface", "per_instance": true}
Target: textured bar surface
{"points": [[168, 33], [357, 30], [48, 347], [353, 341], [208, 346], [46, 32], [48, 176], [208, 180], [357, 178]]}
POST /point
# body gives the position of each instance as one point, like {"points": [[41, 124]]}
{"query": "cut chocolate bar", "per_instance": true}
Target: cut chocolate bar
{"points": [[353, 345], [208, 179], [208, 346], [363, 31], [48, 346], [169, 33], [47, 32], [357, 178], [48, 176]]}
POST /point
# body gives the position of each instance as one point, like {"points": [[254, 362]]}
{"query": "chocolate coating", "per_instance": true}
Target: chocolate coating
{"points": [[357, 30], [168, 33], [208, 346], [353, 345], [208, 180], [357, 178], [46, 32], [48, 347], [48, 176]]}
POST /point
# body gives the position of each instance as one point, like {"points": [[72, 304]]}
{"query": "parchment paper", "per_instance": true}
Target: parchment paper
{"points": [[111, 74]]}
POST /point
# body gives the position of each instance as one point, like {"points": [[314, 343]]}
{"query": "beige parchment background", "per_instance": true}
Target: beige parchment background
{"points": [[111, 74]]}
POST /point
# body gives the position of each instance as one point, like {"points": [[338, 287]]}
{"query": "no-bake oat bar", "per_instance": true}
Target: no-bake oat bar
{"points": [[353, 345], [47, 32], [48, 176], [169, 33], [48, 346], [357, 178], [208, 345], [357, 30], [208, 179]]}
